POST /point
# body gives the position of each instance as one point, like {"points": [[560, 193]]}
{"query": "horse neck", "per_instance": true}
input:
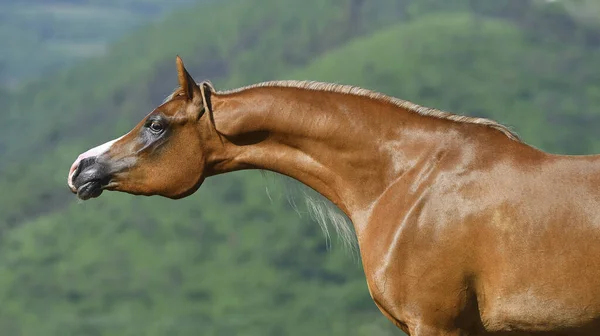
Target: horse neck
{"points": [[348, 148]]}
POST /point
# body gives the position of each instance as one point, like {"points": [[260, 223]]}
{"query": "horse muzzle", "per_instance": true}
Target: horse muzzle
{"points": [[88, 177]]}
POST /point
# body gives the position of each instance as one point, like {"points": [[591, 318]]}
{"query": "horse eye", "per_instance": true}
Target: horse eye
{"points": [[156, 127]]}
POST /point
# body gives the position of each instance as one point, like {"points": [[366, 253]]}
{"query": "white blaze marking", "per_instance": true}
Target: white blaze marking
{"points": [[96, 151]]}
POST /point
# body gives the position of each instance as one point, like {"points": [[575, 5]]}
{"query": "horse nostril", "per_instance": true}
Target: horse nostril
{"points": [[76, 172], [88, 161], [82, 165]]}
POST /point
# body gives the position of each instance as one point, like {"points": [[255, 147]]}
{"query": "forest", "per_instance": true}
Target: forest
{"points": [[233, 259]]}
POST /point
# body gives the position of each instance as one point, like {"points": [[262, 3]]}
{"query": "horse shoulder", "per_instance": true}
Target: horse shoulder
{"points": [[414, 257]]}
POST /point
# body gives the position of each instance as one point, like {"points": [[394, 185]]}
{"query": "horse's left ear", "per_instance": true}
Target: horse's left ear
{"points": [[187, 84]]}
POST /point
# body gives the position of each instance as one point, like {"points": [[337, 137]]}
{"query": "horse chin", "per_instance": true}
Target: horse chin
{"points": [[91, 189]]}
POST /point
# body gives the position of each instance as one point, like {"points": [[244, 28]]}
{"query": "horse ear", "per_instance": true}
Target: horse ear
{"points": [[206, 90], [186, 82]]}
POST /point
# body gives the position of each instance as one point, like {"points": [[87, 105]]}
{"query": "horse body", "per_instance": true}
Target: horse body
{"points": [[489, 243], [542, 266], [462, 228]]}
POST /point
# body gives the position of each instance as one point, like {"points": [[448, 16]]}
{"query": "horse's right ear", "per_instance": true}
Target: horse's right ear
{"points": [[206, 90], [186, 83]]}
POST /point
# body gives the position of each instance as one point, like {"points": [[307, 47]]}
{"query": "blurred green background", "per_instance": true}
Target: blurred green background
{"points": [[228, 260]]}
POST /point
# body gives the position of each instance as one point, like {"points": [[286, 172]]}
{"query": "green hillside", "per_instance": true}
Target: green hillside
{"points": [[228, 260], [39, 36]]}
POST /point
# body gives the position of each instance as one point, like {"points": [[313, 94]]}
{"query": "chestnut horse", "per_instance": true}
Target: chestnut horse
{"points": [[463, 229]]}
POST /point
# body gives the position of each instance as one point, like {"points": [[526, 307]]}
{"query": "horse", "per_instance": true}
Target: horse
{"points": [[462, 227]]}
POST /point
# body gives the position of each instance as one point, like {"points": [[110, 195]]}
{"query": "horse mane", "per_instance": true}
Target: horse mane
{"points": [[358, 91]]}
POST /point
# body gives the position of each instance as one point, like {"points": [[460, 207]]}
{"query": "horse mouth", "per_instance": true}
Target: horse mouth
{"points": [[90, 189]]}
